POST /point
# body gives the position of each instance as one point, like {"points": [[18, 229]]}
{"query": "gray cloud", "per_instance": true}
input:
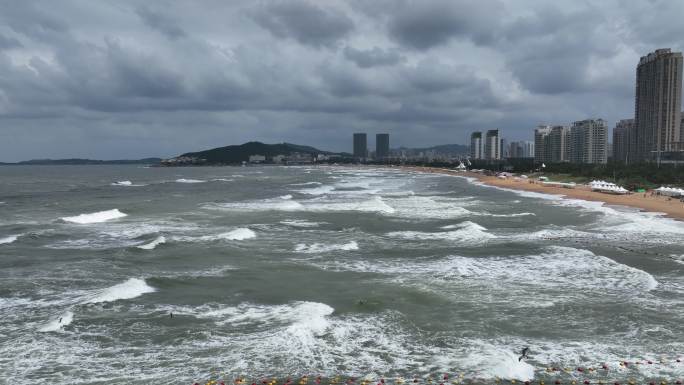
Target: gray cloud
{"points": [[161, 22], [308, 23], [373, 57], [114, 80]]}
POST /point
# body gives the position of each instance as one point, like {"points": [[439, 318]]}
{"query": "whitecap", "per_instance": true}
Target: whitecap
{"points": [[151, 245], [465, 234], [123, 183], [286, 197], [300, 223], [183, 180], [324, 248], [132, 288], [238, 234], [9, 239], [100, 216], [58, 323]]}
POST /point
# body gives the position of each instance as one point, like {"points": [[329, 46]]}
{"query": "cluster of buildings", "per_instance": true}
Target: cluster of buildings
{"points": [[382, 148], [586, 141], [655, 134], [493, 147]]}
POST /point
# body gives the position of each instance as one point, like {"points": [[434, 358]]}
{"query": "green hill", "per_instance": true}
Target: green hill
{"points": [[240, 153]]}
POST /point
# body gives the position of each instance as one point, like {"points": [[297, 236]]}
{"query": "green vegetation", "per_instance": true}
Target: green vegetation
{"points": [[240, 153]]}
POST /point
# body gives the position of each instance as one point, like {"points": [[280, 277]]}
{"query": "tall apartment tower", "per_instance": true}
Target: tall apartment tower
{"points": [[621, 133], [542, 150], [657, 114], [589, 140], [492, 145], [381, 146], [360, 146], [476, 145]]}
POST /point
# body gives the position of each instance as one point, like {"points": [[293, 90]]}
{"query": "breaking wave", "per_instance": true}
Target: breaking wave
{"points": [[9, 239], [132, 288], [183, 180], [323, 248], [58, 323], [466, 234], [151, 245], [100, 216]]}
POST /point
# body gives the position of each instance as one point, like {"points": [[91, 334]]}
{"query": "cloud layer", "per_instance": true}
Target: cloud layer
{"points": [[129, 79]]}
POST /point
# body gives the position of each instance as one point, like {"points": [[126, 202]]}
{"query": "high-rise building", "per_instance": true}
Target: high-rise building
{"points": [[657, 109], [381, 146], [589, 141], [476, 145], [360, 146], [522, 149], [492, 145], [551, 144], [542, 149], [621, 133]]}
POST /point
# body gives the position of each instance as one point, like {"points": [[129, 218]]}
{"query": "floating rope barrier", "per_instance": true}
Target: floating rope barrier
{"points": [[602, 374]]}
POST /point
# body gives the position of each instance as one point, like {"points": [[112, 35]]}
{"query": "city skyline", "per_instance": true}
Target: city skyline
{"points": [[127, 80]]}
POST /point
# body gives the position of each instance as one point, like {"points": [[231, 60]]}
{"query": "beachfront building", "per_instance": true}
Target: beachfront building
{"points": [[492, 145], [381, 146], [541, 149], [551, 144], [476, 145], [521, 149], [657, 114], [621, 140], [589, 141], [360, 146]]}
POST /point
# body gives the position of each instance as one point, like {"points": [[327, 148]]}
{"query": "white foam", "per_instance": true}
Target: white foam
{"points": [[132, 288], [151, 245], [9, 239], [222, 180], [322, 190], [286, 197], [301, 223], [306, 184], [466, 234], [678, 258], [494, 361], [323, 248], [58, 323], [123, 183], [183, 180], [100, 216], [238, 234], [376, 204]]}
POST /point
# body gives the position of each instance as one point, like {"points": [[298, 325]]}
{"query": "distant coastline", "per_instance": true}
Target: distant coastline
{"points": [[82, 162]]}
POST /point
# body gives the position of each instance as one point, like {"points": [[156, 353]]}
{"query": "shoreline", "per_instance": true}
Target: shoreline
{"points": [[645, 202]]}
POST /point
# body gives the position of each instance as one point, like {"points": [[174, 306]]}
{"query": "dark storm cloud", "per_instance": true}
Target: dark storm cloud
{"points": [[423, 24], [373, 57], [308, 23], [127, 79], [164, 24]]}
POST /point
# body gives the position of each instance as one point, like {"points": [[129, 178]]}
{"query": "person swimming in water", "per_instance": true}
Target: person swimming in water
{"points": [[524, 353]]}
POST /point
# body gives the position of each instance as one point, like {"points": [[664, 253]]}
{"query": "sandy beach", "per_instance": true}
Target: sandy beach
{"points": [[672, 208]]}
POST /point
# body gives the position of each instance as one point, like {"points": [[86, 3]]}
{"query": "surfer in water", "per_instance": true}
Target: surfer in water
{"points": [[524, 353]]}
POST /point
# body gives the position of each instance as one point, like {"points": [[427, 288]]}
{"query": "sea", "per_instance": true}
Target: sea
{"points": [[148, 275]]}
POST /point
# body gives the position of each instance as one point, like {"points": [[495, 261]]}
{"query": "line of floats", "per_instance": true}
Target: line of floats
{"points": [[571, 377]]}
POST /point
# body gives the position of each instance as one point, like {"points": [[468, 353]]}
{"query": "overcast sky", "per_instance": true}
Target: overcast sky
{"points": [[129, 79]]}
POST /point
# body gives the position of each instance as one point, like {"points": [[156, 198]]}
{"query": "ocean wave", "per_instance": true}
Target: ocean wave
{"points": [[151, 245], [222, 180], [376, 204], [286, 197], [58, 323], [465, 234], [183, 180], [97, 217], [305, 184], [301, 223], [9, 239], [132, 288], [126, 183], [238, 234], [324, 248]]}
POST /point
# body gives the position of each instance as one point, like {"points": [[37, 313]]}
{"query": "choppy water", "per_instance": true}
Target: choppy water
{"points": [[292, 270]]}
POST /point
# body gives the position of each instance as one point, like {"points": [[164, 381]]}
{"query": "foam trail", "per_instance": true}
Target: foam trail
{"points": [[100, 216], [286, 197], [123, 183], [10, 239], [300, 223], [238, 234], [133, 287], [321, 248], [150, 246], [183, 180], [58, 323]]}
